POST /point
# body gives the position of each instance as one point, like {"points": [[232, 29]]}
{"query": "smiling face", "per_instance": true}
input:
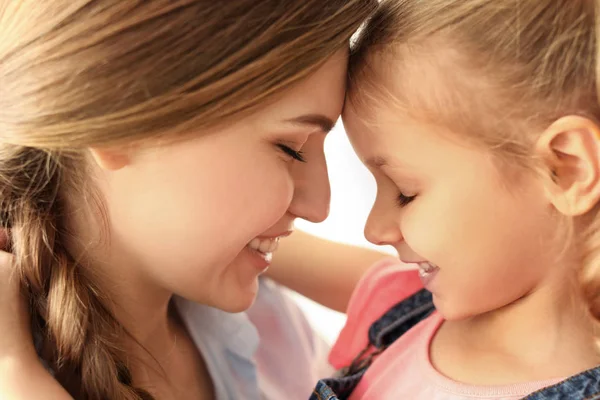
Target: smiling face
{"points": [[449, 207], [197, 217]]}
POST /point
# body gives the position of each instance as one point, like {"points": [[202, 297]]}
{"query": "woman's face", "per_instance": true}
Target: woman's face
{"points": [[199, 218]]}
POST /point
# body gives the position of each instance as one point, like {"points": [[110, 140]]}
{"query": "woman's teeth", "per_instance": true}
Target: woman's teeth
{"points": [[264, 246]]}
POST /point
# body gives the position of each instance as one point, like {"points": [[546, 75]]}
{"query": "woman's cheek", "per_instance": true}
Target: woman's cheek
{"points": [[275, 194]]}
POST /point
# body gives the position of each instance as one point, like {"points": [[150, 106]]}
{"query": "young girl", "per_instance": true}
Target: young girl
{"points": [[151, 149], [480, 120]]}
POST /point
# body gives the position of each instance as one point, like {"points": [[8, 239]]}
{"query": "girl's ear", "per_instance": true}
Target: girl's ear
{"points": [[570, 149]]}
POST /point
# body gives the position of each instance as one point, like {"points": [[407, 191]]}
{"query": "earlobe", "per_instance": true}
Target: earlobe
{"points": [[570, 148], [110, 159]]}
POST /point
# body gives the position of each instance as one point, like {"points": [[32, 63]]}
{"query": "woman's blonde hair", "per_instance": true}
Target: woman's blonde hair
{"points": [[495, 70], [76, 74]]}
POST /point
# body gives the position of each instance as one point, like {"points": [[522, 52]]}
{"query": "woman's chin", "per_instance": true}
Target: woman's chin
{"points": [[240, 305], [237, 299]]}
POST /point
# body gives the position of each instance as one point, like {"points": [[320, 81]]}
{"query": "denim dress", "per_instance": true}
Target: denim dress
{"points": [[399, 320]]}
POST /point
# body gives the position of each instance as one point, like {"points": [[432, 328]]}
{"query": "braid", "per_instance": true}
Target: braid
{"points": [[67, 310]]}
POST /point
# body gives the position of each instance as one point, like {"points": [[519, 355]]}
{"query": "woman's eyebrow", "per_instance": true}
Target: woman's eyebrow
{"points": [[320, 121]]}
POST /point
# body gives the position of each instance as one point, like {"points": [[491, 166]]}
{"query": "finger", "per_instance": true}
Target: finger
{"points": [[4, 239]]}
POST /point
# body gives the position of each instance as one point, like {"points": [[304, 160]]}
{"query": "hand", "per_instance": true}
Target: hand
{"points": [[16, 337], [324, 271], [22, 375]]}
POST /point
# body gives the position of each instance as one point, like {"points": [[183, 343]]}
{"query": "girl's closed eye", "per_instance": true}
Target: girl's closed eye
{"points": [[294, 154]]}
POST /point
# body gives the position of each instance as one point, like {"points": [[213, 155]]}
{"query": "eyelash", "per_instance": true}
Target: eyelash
{"points": [[404, 200], [296, 155]]}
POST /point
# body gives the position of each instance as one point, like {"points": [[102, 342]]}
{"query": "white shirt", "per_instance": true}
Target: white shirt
{"points": [[268, 352]]}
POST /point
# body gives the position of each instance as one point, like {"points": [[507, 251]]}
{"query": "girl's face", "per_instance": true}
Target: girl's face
{"points": [[188, 218], [482, 239]]}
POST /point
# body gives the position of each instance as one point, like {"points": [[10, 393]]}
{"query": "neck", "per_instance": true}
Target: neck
{"points": [[548, 324], [157, 345], [138, 304], [143, 309]]}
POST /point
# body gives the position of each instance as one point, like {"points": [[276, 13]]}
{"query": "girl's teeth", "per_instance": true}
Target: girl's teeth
{"points": [[427, 267]]}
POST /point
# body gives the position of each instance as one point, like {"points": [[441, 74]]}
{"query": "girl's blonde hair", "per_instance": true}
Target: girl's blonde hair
{"points": [[495, 70], [76, 74]]}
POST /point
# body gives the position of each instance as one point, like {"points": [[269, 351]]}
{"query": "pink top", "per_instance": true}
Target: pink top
{"points": [[404, 370]]}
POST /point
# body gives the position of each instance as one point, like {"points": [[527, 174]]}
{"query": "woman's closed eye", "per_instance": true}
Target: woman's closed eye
{"points": [[295, 154]]}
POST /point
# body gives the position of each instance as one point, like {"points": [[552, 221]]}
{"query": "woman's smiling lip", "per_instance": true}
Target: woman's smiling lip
{"points": [[261, 249], [277, 235]]}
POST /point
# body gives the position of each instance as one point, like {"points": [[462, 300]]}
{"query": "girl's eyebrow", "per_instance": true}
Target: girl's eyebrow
{"points": [[378, 162]]}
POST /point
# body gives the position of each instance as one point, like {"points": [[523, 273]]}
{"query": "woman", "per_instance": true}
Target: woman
{"points": [[152, 156]]}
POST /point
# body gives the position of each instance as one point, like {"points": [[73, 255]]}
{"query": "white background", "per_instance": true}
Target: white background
{"points": [[352, 195]]}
